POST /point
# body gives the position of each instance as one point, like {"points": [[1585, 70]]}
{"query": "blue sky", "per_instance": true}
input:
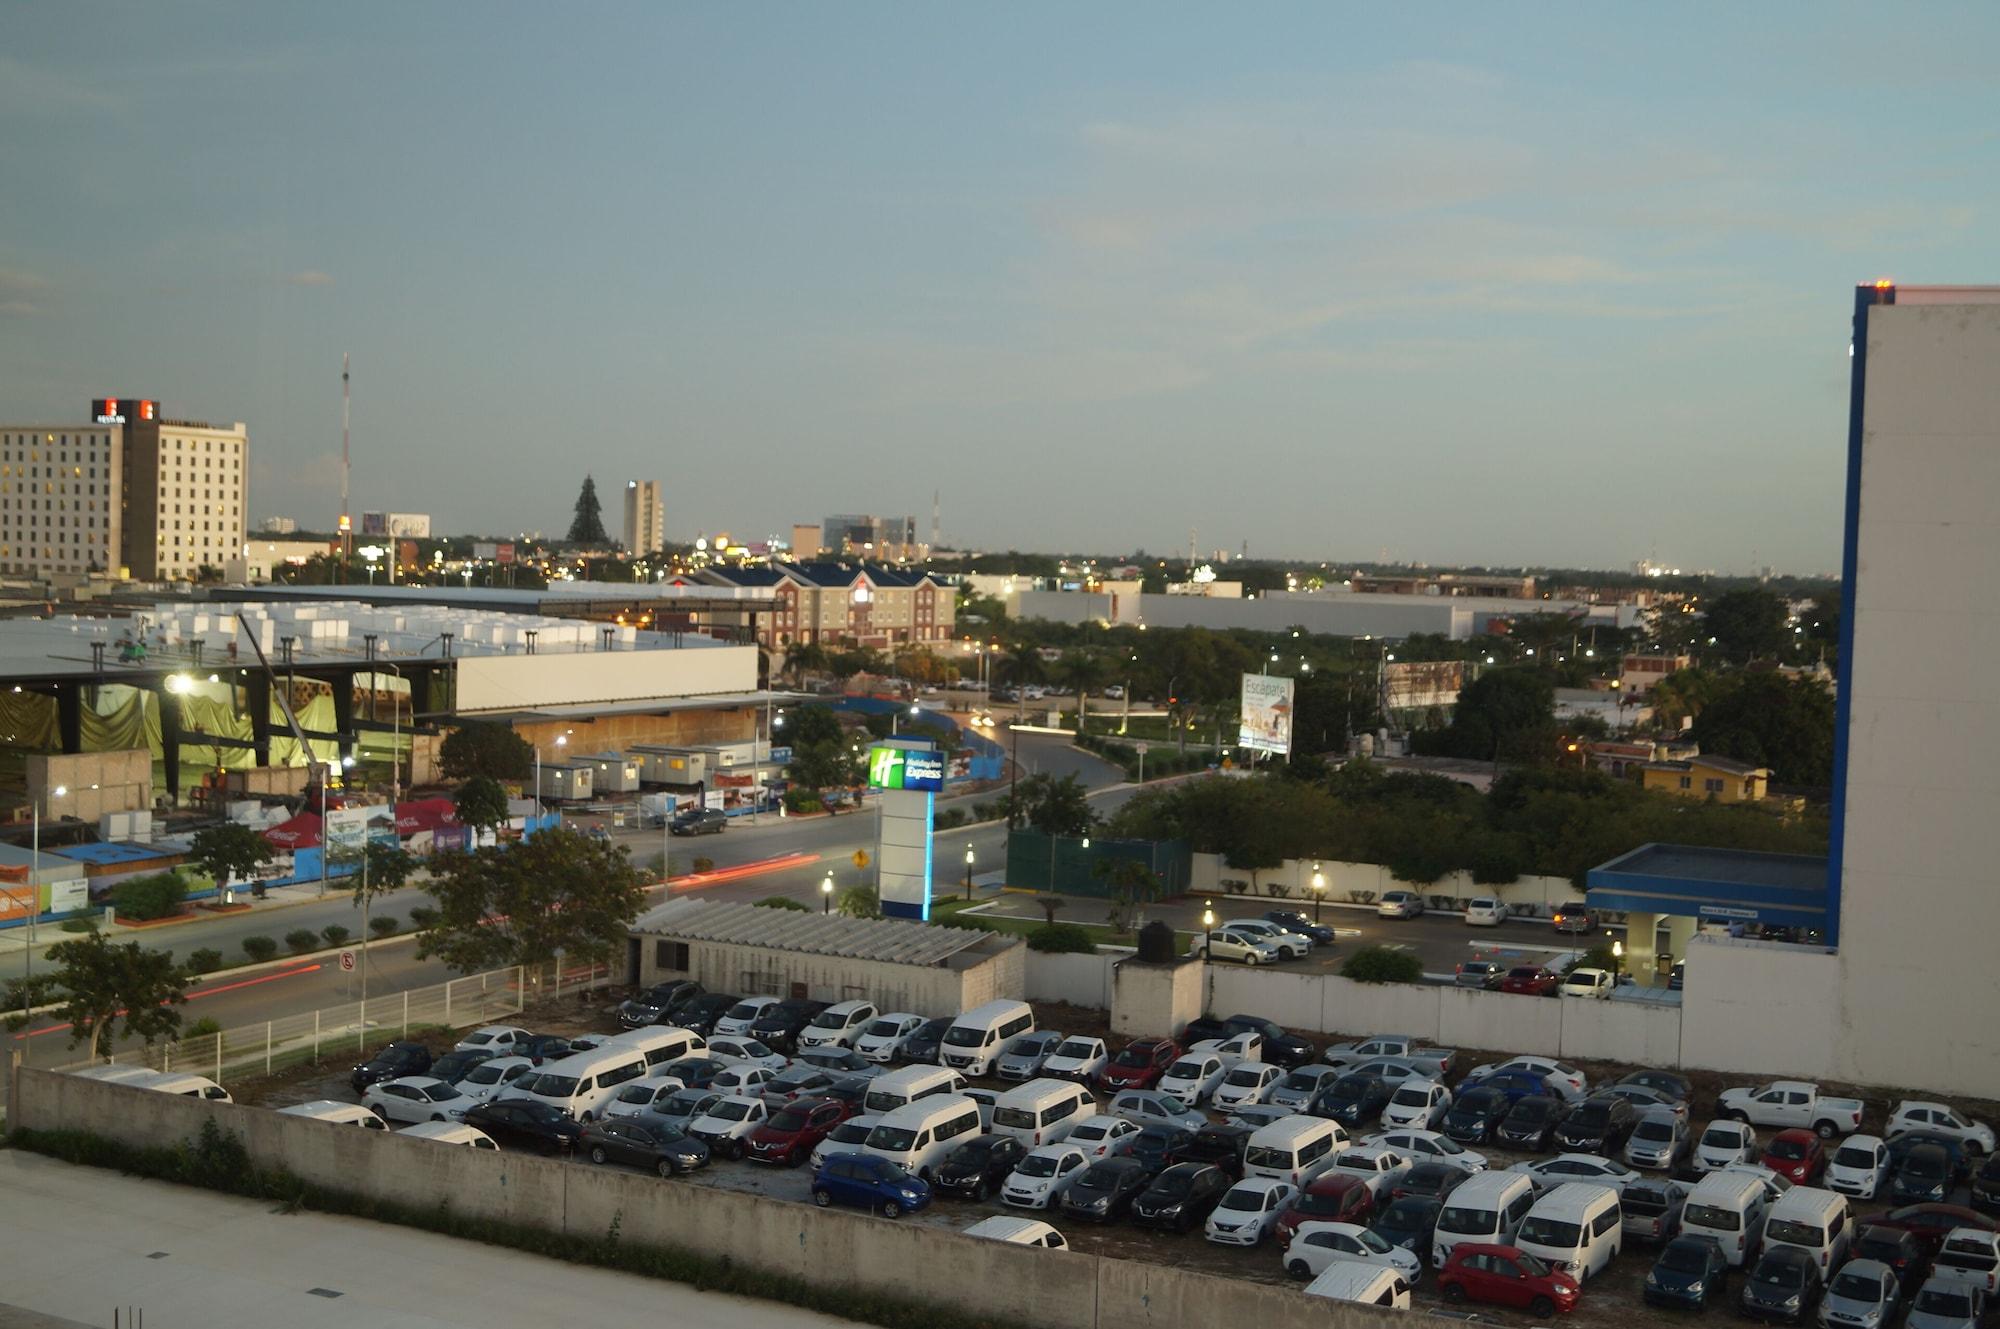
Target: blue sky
{"points": [[1551, 284]]}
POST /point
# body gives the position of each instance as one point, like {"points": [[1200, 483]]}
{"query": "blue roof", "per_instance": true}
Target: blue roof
{"points": [[1695, 881], [747, 576], [116, 851]]}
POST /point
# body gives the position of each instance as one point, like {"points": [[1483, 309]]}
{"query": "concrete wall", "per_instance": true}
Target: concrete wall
{"points": [[1769, 1009], [1009, 1284], [1361, 882], [1080, 980], [760, 971], [1150, 1000], [518, 682]]}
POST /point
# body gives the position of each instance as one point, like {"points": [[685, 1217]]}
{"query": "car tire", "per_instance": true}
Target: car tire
{"points": [[1453, 1292], [732, 1150], [890, 1209], [380, 1114], [665, 1167], [1826, 1130], [1541, 1308], [597, 1155], [821, 1197], [1299, 1269]]}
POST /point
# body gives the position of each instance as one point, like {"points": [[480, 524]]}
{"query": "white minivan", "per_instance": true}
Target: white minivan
{"points": [[837, 1026], [917, 1136], [1487, 1208], [888, 1092], [1042, 1111], [978, 1037], [1816, 1221], [1294, 1149], [345, 1114], [1730, 1207], [585, 1082], [187, 1086], [1365, 1284], [1577, 1228], [657, 1043]]}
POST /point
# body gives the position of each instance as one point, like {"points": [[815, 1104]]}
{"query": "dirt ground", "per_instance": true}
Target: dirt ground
{"points": [[1611, 1301]]}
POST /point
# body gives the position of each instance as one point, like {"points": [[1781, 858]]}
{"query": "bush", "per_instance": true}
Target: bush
{"points": [[204, 961], [202, 1028], [803, 800], [423, 916], [1383, 964], [259, 949], [79, 925], [961, 921], [1061, 939], [334, 934], [302, 940], [383, 926], [702, 864], [157, 895], [783, 902], [950, 818]]}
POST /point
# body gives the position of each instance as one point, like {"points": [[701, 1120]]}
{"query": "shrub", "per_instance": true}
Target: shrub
{"points": [[334, 934], [204, 961], [802, 800], [383, 926], [1061, 939], [423, 916], [202, 1028], [1383, 964], [1597, 957], [302, 940], [79, 925], [950, 818], [783, 902], [259, 949], [970, 924], [156, 895], [702, 864]]}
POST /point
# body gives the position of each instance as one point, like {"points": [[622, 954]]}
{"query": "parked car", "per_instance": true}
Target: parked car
{"points": [[743, 1050], [1564, 1078], [728, 1124], [1865, 1294], [1221, 1146], [1291, 945], [1954, 1149], [1106, 1189], [1274, 1044], [1925, 1175], [1245, 1083], [392, 1062], [1670, 1085], [1799, 1157], [1043, 1175], [1971, 1254], [1155, 1146], [1483, 974], [1658, 1140], [1352, 1100], [1599, 1125], [657, 1004], [1077, 1058], [1234, 944], [1431, 1063], [1429, 1147], [1417, 1103], [1298, 1088], [1786, 1103], [1151, 1107], [864, 1181], [1976, 1136], [491, 1077], [1485, 911], [495, 1040], [699, 821], [455, 1065], [1725, 1143], [780, 1025], [1193, 1078], [1103, 1137], [741, 1079], [837, 1061], [1024, 1057], [1399, 904], [1377, 1165], [885, 1037], [1530, 1124], [1650, 1210], [1859, 1167], [796, 1081], [1517, 1085], [1429, 1180], [1138, 1065], [526, 1123], [684, 1107], [1180, 1198], [647, 1141], [1332, 1197], [1410, 1222], [789, 1135], [923, 1045], [1986, 1186], [415, 1098], [1690, 1272], [643, 1095], [1316, 1245], [539, 1048], [847, 1137], [1506, 1276], [1784, 1286], [1478, 1113], [1248, 1211], [1293, 921], [1584, 981], [979, 1167], [1901, 1250], [1946, 1303], [1573, 916], [1532, 980], [696, 1072], [1548, 1172]]}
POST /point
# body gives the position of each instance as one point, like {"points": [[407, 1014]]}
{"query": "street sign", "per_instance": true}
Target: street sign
{"points": [[347, 962], [861, 858], [1140, 747]]}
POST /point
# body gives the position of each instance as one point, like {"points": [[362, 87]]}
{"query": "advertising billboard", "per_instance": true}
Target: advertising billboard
{"points": [[1266, 723], [1414, 685], [905, 768]]}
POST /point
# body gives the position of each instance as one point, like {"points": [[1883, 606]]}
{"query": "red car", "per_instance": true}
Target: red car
{"points": [[790, 1134], [1506, 1276], [1138, 1065], [1532, 980], [1796, 1155], [1931, 1223], [1333, 1197]]}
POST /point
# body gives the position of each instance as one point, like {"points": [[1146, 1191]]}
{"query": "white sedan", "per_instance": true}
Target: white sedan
{"points": [[1249, 1211], [1041, 1178], [1544, 1173], [1230, 944], [1314, 1246], [1725, 1144], [740, 1080], [498, 1039], [485, 1082], [1103, 1137], [416, 1098], [1245, 1083], [647, 1095], [883, 1039], [1485, 911], [1077, 1058], [1417, 1103], [1193, 1078], [1430, 1147], [743, 1050], [1976, 1136], [1564, 1078]]}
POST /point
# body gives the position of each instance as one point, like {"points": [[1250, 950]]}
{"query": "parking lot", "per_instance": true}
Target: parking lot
{"points": [[1611, 1298]]}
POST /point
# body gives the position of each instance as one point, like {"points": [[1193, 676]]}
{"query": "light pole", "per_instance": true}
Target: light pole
{"points": [[826, 893], [1319, 891], [1207, 926], [968, 872], [35, 876], [562, 741]]}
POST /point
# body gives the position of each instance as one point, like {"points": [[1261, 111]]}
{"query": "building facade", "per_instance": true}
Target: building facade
{"points": [[858, 535], [61, 498], [645, 519], [186, 488], [839, 604], [1723, 779]]}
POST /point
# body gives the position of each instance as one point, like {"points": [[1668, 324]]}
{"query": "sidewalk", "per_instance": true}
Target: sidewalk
{"points": [[14, 940]]}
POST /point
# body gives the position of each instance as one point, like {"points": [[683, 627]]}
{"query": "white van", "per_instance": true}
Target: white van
{"points": [[1577, 1227], [976, 1038], [888, 1092], [187, 1086], [1814, 1220], [1019, 1232], [658, 1043], [450, 1132], [584, 1083], [837, 1026], [917, 1136], [1363, 1283], [346, 1114], [1729, 1206], [1487, 1208], [116, 1074], [1042, 1111], [1294, 1149]]}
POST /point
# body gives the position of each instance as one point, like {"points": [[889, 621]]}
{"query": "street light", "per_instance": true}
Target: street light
{"points": [[1207, 926], [35, 877], [1319, 891], [826, 893], [968, 872]]}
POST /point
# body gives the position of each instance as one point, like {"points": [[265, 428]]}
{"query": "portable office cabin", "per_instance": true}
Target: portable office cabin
{"points": [[614, 772], [566, 781], [661, 764]]}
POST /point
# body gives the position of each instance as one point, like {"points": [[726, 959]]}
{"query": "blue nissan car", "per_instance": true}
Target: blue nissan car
{"points": [[867, 1182]]}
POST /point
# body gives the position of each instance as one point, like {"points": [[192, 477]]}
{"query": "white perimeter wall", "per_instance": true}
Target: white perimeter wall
{"points": [[1363, 882], [515, 682]]}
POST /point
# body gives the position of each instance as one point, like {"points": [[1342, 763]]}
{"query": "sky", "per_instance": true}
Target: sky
{"points": [[1558, 284]]}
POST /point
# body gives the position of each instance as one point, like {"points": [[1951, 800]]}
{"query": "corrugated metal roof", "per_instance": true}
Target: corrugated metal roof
{"points": [[887, 940]]}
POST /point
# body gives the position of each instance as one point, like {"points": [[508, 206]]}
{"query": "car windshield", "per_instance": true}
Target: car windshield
{"points": [[1950, 1302], [1246, 1077], [892, 1139], [1591, 1116], [1413, 1095], [1443, 1144], [1722, 1137], [1038, 1165], [1850, 1157], [487, 1073], [686, 1103], [1350, 1088], [1653, 1131], [732, 1109], [885, 1028], [1246, 1200], [848, 1132], [1791, 1150], [1076, 1047], [1133, 1056], [1371, 1242], [790, 1119], [1186, 1069], [438, 1093], [1856, 1287], [1314, 1204], [745, 1010], [1926, 1164], [1684, 1257], [1466, 1222], [1532, 1111], [1550, 1232], [1779, 1273], [637, 1093], [554, 1086], [829, 1020], [1305, 1079], [964, 1036]]}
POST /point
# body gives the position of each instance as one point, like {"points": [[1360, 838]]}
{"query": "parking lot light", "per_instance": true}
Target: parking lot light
{"points": [[1319, 891]]}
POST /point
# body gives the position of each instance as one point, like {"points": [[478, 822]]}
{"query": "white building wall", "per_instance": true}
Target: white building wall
{"points": [[517, 682]]}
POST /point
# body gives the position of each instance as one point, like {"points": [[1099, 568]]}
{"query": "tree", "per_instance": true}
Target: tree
{"points": [[1081, 672], [1050, 805], [1506, 714], [481, 803], [813, 723], [230, 852], [860, 900], [805, 658], [1748, 624], [385, 866], [99, 987], [1133, 886], [1681, 696], [823, 764], [560, 892], [488, 748], [1784, 723], [587, 527]]}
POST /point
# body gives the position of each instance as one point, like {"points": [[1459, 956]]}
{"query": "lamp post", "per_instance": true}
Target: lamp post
{"points": [[826, 893], [1207, 926], [562, 741], [35, 876], [968, 872], [1319, 891]]}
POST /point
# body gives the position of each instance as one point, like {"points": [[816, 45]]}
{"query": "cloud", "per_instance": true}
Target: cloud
{"points": [[308, 277], [18, 293]]}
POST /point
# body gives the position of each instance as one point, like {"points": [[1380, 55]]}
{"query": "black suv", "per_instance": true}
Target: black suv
{"points": [[701, 1013], [1598, 1126], [657, 1003], [1353, 1099], [1280, 1048], [1217, 1146], [392, 1062], [1532, 1122], [779, 1025]]}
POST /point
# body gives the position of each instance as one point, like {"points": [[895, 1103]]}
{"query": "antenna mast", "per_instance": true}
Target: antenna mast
{"points": [[346, 518]]}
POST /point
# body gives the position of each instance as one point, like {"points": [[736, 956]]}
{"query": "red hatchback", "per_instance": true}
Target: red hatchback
{"points": [[1531, 979], [1506, 1276], [1138, 1065], [1332, 1197], [1796, 1155], [793, 1131]]}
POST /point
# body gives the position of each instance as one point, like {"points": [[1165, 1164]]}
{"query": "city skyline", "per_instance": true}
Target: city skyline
{"points": [[1461, 293]]}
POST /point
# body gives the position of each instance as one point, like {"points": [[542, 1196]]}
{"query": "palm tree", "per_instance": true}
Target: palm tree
{"points": [[1133, 886], [804, 658], [1083, 672]]}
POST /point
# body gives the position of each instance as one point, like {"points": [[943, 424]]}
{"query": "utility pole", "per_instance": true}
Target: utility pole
{"points": [[346, 518]]}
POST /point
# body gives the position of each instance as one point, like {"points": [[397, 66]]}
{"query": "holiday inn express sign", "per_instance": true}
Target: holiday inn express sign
{"points": [[905, 768]]}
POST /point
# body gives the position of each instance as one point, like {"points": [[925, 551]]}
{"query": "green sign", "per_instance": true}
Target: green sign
{"points": [[905, 768]]}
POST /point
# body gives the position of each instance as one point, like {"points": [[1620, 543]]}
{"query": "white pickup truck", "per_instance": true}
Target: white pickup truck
{"points": [[1788, 1103], [1435, 1062]]}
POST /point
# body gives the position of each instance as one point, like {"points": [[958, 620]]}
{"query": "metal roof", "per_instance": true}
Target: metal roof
{"points": [[887, 940]]}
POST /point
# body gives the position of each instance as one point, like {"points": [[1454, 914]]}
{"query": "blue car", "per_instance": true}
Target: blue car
{"points": [[1517, 1085], [1293, 921], [867, 1182]]}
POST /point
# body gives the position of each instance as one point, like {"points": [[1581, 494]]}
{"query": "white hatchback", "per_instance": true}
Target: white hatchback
{"points": [[1245, 1083], [491, 1078], [1040, 1179], [882, 1041], [1192, 1079], [1858, 1167], [498, 1039], [743, 1050], [1315, 1245], [1103, 1137], [1417, 1103], [1485, 911], [1246, 1215], [1725, 1144]]}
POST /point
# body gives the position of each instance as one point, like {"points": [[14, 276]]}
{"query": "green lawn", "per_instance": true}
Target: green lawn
{"points": [[1092, 922]]}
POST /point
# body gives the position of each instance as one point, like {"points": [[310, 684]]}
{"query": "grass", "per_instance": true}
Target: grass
{"points": [[1021, 927]]}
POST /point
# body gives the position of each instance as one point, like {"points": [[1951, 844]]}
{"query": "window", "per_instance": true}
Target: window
{"points": [[670, 955], [1687, 782], [1712, 786]]}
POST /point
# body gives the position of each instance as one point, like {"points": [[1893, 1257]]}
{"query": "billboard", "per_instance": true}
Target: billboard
{"points": [[1266, 723], [905, 768], [1416, 685]]}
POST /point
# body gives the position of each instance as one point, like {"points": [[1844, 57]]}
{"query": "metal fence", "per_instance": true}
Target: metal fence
{"points": [[351, 1028]]}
